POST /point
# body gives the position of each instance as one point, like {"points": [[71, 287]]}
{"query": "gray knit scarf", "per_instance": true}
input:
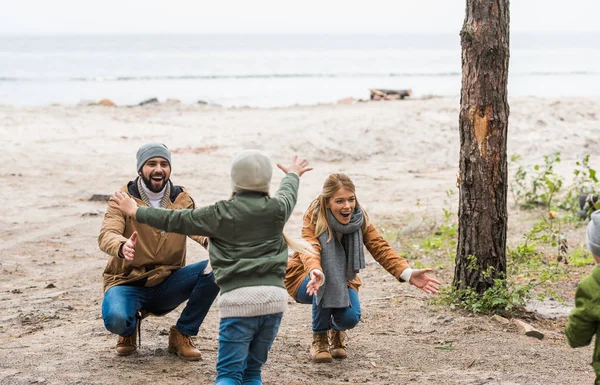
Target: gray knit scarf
{"points": [[341, 259]]}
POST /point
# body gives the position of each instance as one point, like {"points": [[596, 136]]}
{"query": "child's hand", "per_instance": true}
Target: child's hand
{"points": [[124, 203], [317, 278], [297, 167]]}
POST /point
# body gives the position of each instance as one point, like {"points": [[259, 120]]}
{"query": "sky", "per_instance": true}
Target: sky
{"points": [[281, 16]]}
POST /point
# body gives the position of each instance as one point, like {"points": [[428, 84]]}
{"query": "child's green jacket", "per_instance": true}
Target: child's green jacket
{"points": [[584, 320]]}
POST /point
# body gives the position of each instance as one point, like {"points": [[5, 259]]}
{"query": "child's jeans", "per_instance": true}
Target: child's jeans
{"points": [[324, 319], [244, 344]]}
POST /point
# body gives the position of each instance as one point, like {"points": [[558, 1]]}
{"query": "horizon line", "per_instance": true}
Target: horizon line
{"points": [[263, 33]]}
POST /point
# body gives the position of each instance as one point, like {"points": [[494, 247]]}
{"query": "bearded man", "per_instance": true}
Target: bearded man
{"points": [[146, 272]]}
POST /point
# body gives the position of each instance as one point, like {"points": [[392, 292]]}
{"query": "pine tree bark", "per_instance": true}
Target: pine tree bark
{"points": [[483, 122]]}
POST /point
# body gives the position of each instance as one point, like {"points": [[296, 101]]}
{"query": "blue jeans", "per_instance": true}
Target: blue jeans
{"points": [[244, 344], [324, 319], [121, 303]]}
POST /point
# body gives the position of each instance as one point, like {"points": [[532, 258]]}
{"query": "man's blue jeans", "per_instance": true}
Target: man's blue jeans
{"points": [[244, 344], [324, 319], [121, 303]]}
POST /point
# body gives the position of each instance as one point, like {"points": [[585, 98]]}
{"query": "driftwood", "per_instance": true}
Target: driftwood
{"points": [[99, 198], [528, 330], [381, 94], [148, 101]]}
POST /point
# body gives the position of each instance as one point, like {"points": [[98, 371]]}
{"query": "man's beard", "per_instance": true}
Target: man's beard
{"points": [[152, 187]]}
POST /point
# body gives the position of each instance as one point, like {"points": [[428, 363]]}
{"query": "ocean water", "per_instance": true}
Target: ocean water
{"points": [[276, 70]]}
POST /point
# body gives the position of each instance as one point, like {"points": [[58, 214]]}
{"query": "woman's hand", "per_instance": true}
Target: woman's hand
{"points": [[317, 278], [298, 166], [419, 279], [124, 203]]}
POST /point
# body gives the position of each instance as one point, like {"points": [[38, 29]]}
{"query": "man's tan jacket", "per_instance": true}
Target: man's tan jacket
{"points": [[157, 253]]}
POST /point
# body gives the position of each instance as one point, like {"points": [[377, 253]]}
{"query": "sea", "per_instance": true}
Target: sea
{"points": [[277, 70]]}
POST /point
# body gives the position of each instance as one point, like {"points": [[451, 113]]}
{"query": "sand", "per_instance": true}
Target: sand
{"points": [[403, 158]]}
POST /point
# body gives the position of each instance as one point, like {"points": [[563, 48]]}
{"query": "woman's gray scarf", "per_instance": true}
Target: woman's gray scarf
{"points": [[341, 259]]}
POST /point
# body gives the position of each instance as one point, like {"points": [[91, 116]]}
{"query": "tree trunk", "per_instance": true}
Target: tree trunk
{"points": [[483, 121]]}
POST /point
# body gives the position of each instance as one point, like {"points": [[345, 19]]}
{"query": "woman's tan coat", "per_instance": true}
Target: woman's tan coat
{"points": [[300, 264]]}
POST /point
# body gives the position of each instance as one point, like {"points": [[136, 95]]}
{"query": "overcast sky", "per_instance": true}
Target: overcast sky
{"points": [[281, 16]]}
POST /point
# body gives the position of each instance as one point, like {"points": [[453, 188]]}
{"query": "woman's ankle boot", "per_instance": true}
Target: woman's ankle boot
{"points": [[319, 351], [337, 341]]}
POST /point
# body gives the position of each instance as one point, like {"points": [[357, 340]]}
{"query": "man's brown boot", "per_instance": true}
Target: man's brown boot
{"points": [[126, 345], [183, 345], [337, 341], [319, 351]]}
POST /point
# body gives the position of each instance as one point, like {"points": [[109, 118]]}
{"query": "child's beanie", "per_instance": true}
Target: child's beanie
{"points": [[593, 233], [251, 170]]}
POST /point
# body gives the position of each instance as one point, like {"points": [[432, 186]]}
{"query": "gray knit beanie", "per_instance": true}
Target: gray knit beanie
{"points": [[593, 233], [251, 170], [152, 150]]}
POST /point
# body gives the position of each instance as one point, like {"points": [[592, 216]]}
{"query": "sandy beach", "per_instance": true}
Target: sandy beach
{"points": [[403, 158]]}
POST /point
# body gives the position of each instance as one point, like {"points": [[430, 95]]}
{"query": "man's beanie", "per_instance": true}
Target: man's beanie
{"points": [[152, 150], [251, 170], [593, 234]]}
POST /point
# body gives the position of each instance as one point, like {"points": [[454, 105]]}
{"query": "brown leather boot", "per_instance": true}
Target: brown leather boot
{"points": [[126, 345], [337, 342], [183, 345], [319, 351]]}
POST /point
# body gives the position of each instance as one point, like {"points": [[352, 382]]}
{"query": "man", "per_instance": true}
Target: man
{"points": [[146, 270]]}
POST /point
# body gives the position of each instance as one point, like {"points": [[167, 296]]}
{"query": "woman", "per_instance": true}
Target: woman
{"points": [[337, 228]]}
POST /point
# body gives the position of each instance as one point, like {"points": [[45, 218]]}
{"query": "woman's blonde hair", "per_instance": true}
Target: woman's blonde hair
{"points": [[318, 206], [300, 245]]}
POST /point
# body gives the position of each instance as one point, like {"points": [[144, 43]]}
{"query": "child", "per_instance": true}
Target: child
{"points": [[248, 253], [584, 320]]}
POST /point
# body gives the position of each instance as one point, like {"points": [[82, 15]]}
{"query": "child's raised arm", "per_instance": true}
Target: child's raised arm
{"points": [[298, 167]]}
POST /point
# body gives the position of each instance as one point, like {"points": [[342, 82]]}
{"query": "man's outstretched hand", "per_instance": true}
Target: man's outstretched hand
{"points": [[128, 249]]}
